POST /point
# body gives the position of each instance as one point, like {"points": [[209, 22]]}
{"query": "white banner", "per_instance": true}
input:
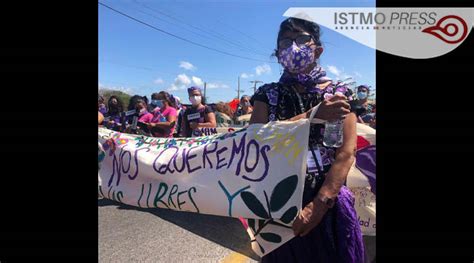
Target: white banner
{"points": [[202, 175], [255, 173]]}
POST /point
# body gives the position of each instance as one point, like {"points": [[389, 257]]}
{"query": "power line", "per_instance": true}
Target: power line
{"points": [[212, 33], [248, 36], [255, 82], [181, 38], [188, 30]]}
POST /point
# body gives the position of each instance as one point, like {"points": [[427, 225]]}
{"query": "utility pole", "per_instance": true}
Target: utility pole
{"points": [[205, 91], [255, 84], [238, 88]]}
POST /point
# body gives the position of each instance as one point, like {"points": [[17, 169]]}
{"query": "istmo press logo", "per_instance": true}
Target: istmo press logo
{"points": [[408, 32]]}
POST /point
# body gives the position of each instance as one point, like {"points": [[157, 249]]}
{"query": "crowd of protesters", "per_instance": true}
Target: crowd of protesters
{"points": [[165, 116]]}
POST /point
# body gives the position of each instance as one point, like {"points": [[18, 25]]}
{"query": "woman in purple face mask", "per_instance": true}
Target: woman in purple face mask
{"points": [[327, 228]]}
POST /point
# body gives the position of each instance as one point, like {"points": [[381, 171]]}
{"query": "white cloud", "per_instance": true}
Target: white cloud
{"points": [[182, 79], [173, 88], [180, 82], [262, 69], [334, 70], [357, 74], [216, 85], [187, 66], [197, 81], [158, 81], [246, 76], [339, 74]]}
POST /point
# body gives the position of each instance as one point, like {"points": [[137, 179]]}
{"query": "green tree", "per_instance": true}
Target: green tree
{"points": [[124, 97]]}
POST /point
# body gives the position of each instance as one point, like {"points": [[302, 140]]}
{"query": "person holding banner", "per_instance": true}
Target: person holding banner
{"points": [[244, 106], [115, 106], [198, 116], [102, 107], [326, 229], [140, 104], [164, 116], [143, 115]]}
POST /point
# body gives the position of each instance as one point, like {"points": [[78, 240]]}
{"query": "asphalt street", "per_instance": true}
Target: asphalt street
{"points": [[132, 234]]}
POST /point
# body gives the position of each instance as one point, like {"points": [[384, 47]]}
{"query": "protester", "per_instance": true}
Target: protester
{"points": [[199, 115], [115, 106], [139, 104], [224, 114], [132, 102], [244, 106], [153, 108], [327, 228], [364, 109], [102, 107], [153, 103], [143, 115], [101, 118], [164, 116]]}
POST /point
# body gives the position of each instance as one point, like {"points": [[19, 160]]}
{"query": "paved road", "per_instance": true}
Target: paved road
{"points": [[131, 234]]}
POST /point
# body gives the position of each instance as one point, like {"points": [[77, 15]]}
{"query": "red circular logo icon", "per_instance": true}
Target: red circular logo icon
{"points": [[451, 29]]}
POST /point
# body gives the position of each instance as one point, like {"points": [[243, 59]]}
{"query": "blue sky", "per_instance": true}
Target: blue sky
{"points": [[140, 60]]}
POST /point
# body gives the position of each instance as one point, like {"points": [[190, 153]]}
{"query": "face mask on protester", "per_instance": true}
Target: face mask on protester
{"points": [[141, 111], [296, 58], [157, 103], [361, 95], [246, 104], [195, 100]]}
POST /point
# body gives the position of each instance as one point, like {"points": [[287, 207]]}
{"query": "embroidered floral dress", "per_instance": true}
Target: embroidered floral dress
{"points": [[338, 237]]}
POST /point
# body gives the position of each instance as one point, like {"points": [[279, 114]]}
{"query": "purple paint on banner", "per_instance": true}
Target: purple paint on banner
{"points": [[365, 162]]}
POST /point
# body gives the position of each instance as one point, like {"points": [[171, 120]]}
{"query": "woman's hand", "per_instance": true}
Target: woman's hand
{"points": [[151, 125], [308, 218], [334, 108]]}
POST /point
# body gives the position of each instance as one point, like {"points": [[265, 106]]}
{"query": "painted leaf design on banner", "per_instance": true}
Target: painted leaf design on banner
{"points": [[271, 237], [254, 204], [261, 248], [251, 223], [283, 192], [289, 215]]}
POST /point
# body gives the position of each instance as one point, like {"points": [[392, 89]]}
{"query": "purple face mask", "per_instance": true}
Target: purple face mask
{"points": [[296, 58]]}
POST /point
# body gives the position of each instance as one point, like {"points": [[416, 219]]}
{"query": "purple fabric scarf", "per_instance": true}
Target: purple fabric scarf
{"points": [[310, 81]]}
